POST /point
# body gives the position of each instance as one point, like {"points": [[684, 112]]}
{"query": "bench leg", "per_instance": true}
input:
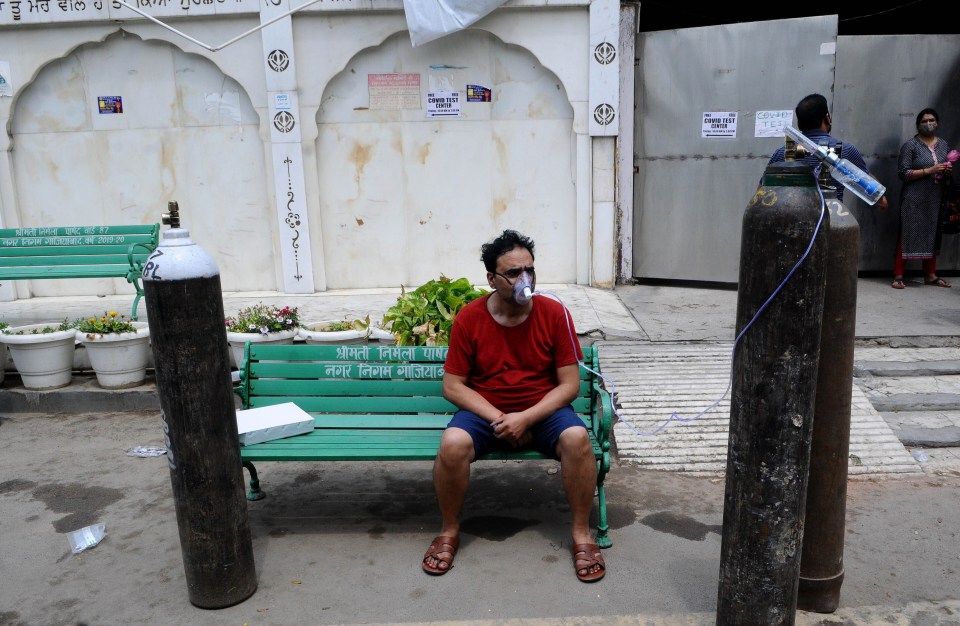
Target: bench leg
{"points": [[603, 539], [254, 493]]}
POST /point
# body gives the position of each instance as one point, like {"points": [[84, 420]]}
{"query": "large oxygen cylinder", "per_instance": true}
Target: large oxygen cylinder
{"points": [[821, 564], [772, 402], [185, 313]]}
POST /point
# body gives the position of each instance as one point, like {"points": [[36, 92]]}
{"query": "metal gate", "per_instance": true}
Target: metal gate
{"points": [[690, 191]]}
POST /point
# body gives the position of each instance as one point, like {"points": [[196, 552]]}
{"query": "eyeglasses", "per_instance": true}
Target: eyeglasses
{"points": [[514, 272]]}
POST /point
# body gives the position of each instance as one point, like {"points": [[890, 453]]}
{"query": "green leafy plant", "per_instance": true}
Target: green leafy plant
{"points": [[109, 322], [424, 316], [263, 319], [4, 326], [46, 330], [339, 326]]}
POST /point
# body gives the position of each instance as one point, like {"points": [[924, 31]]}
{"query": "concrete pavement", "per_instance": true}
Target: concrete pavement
{"points": [[340, 543]]}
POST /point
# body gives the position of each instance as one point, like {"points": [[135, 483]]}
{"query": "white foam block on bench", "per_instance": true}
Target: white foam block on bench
{"points": [[272, 422]]}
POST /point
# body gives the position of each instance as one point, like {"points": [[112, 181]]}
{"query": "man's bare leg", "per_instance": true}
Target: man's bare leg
{"points": [[451, 477], [579, 470]]}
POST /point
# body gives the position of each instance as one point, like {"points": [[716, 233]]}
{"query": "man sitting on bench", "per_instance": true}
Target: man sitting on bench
{"points": [[512, 369]]}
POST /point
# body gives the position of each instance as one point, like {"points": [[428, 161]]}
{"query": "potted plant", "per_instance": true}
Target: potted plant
{"points": [[260, 323], [42, 353], [337, 332], [118, 348], [382, 334], [424, 316]]}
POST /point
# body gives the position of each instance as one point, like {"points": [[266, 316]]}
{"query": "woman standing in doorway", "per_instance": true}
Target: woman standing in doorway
{"points": [[922, 164]]}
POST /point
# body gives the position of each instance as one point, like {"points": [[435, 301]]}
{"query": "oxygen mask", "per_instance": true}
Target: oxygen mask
{"points": [[523, 288]]}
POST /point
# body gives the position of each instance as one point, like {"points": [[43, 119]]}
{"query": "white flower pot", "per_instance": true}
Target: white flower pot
{"points": [[45, 361], [237, 342], [119, 359], [314, 333], [382, 336]]}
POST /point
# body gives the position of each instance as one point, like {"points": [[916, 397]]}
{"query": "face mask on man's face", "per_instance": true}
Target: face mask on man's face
{"points": [[927, 128]]}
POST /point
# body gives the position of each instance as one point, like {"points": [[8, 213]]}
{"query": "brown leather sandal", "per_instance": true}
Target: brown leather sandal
{"points": [[442, 544], [585, 556]]}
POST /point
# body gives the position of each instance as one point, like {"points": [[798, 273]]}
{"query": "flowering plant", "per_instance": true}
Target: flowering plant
{"points": [[4, 325], [109, 322], [263, 319]]}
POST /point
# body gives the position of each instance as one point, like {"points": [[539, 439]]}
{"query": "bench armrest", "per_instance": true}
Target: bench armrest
{"points": [[602, 421], [136, 271]]}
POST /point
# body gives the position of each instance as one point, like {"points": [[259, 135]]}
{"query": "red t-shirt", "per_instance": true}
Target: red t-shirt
{"points": [[512, 367]]}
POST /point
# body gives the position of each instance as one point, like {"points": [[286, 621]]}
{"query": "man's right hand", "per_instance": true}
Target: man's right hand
{"points": [[512, 428]]}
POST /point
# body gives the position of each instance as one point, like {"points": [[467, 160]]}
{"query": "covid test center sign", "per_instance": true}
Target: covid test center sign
{"points": [[719, 125]]}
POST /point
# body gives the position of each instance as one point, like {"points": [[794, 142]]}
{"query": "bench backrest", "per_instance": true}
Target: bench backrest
{"points": [[77, 245], [386, 384]]}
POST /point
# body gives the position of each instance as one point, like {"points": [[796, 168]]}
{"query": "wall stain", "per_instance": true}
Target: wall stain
{"points": [[499, 208], [682, 526], [360, 157], [423, 153], [501, 150]]}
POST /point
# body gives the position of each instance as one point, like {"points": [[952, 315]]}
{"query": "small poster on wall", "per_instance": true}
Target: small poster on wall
{"points": [[478, 93], [719, 125], [393, 92], [443, 104], [6, 89], [110, 104]]}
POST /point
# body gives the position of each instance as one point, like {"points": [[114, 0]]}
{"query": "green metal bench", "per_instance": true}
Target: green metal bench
{"points": [[383, 403], [78, 252]]}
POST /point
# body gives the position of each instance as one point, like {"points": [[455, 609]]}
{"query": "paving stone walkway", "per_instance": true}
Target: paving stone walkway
{"points": [[656, 381]]}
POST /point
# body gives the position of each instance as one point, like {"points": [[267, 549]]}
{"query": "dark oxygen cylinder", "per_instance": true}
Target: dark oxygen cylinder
{"points": [[772, 402], [821, 564], [181, 285]]}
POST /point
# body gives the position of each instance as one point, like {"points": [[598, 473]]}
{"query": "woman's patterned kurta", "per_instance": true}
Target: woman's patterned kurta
{"points": [[920, 198]]}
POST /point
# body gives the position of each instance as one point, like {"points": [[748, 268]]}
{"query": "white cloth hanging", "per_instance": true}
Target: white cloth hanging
{"points": [[431, 19]]}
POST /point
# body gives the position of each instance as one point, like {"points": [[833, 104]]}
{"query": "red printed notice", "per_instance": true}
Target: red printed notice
{"points": [[391, 92]]}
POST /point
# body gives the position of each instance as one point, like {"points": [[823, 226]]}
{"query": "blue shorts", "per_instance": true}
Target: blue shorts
{"points": [[546, 434]]}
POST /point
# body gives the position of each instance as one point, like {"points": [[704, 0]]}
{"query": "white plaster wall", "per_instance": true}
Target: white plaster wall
{"points": [[187, 133], [404, 198], [196, 129]]}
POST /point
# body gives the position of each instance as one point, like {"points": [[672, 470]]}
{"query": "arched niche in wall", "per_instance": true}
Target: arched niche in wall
{"points": [[405, 197], [184, 131]]}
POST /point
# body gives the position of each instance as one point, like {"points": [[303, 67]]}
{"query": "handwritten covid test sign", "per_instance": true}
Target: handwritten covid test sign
{"points": [[771, 123]]}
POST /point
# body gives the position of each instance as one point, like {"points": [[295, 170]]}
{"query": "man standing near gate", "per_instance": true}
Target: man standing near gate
{"points": [[814, 121], [512, 370]]}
